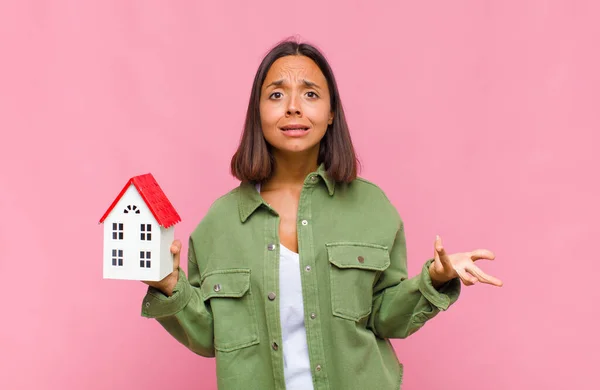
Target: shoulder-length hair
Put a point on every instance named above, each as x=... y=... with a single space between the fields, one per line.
x=253 y=160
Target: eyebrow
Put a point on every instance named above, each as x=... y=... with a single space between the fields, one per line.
x=307 y=83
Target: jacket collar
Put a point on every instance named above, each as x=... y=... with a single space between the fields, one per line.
x=249 y=200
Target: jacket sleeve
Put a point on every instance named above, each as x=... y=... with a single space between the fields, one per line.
x=184 y=314
x=402 y=305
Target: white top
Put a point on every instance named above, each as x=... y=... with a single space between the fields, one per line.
x=296 y=364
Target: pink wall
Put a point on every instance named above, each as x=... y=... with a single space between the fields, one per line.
x=478 y=118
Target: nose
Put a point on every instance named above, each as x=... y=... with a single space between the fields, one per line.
x=293 y=107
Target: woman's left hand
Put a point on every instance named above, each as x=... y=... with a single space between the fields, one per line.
x=447 y=267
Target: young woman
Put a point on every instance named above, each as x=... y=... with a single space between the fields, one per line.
x=297 y=278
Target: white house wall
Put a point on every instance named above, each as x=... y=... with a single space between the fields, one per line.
x=131 y=245
x=166 y=263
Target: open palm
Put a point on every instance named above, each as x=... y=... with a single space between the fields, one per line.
x=462 y=265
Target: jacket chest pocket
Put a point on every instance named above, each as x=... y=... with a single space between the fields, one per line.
x=354 y=268
x=232 y=304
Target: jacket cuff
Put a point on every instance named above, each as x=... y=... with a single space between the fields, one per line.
x=156 y=304
x=442 y=297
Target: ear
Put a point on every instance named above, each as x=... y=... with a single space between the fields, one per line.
x=331 y=115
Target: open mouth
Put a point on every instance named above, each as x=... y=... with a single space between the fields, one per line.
x=294 y=128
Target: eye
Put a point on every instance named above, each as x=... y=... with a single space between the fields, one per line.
x=314 y=95
x=272 y=96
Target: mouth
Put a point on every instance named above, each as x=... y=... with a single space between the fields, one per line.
x=295 y=131
x=294 y=128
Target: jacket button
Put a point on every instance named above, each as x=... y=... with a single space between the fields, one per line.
x=275 y=346
x=313 y=315
x=361 y=259
x=271 y=247
x=318 y=367
x=272 y=296
x=217 y=287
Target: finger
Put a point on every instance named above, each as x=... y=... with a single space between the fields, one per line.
x=439 y=246
x=482 y=254
x=483 y=277
x=176 y=251
x=176 y=247
x=441 y=253
x=436 y=254
x=466 y=278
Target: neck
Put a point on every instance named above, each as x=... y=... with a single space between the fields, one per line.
x=291 y=170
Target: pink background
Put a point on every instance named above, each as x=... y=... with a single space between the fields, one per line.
x=478 y=118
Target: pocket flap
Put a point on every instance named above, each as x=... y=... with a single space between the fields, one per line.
x=230 y=283
x=358 y=255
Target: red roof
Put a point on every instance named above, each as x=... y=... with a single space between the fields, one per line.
x=155 y=199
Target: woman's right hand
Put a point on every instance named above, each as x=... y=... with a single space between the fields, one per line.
x=167 y=284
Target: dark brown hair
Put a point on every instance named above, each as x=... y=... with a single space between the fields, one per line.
x=253 y=160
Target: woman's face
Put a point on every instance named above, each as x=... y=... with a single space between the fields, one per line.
x=294 y=105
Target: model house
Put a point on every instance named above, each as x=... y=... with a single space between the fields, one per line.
x=138 y=232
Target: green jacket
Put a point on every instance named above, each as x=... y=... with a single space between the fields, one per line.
x=356 y=291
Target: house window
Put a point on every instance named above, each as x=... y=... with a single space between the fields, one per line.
x=131 y=208
x=117 y=231
x=146 y=230
x=117 y=257
x=145 y=259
